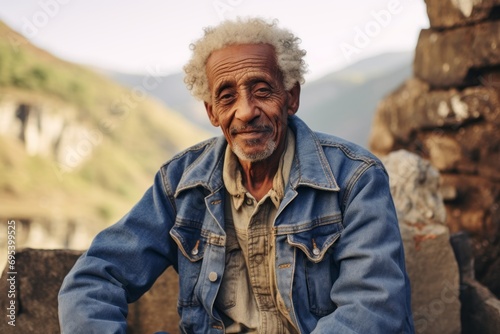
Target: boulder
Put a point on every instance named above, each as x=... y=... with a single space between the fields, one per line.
x=430 y=261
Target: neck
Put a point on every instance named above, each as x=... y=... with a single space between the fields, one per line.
x=258 y=176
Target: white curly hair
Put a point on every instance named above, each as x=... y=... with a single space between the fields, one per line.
x=244 y=31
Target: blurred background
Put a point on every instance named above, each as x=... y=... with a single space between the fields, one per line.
x=92 y=99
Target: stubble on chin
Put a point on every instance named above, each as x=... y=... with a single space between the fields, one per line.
x=256 y=156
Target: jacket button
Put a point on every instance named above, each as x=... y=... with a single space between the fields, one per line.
x=212 y=277
x=316 y=251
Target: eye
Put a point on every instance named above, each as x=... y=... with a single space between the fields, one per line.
x=226 y=96
x=262 y=90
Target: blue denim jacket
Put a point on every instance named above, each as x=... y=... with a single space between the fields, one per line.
x=339 y=257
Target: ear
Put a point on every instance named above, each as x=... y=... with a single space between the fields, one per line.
x=214 y=120
x=293 y=99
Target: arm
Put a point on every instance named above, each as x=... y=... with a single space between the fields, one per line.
x=372 y=292
x=122 y=263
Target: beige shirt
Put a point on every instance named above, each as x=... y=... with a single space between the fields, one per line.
x=248 y=299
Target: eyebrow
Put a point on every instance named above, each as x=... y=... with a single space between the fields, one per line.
x=252 y=81
x=221 y=87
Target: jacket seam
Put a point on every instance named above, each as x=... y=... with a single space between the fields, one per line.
x=348 y=152
x=168 y=191
x=352 y=183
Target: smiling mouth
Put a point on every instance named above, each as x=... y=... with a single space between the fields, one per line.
x=250 y=131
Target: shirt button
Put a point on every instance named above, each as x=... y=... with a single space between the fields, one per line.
x=249 y=201
x=212 y=277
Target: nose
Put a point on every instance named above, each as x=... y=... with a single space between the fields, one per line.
x=245 y=109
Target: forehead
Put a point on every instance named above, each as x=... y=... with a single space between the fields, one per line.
x=235 y=61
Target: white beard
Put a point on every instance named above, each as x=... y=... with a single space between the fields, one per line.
x=258 y=156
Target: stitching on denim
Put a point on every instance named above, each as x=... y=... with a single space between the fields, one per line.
x=352 y=183
x=322 y=221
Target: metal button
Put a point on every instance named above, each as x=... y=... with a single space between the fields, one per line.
x=259 y=258
x=194 y=251
x=212 y=277
x=249 y=201
x=316 y=251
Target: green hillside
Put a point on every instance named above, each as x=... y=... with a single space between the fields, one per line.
x=136 y=134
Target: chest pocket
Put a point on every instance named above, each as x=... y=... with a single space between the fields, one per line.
x=315 y=266
x=190 y=239
x=316 y=239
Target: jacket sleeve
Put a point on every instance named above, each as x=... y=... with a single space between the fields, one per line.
x=372 y=292
x=121 y=264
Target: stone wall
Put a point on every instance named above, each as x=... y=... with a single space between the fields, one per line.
x=449 y=113
x=39 y=274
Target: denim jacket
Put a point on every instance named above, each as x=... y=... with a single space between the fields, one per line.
x=339 y=258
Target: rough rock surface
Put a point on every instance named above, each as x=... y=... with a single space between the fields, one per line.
x=450 y=57
x=449 y=114
x=39 y=277
x=450 y=13
x=480 y=308
x=156 y=310
x=430 y=261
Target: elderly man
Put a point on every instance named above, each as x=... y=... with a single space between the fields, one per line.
x=273 y=228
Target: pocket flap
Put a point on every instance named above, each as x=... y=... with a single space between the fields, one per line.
x=190 y=239
x=316 y=241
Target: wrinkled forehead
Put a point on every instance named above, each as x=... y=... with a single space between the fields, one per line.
x=237 y=61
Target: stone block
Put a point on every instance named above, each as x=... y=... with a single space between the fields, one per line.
x=451 y=13
x=156 y=310
x=430 y=261
x=39 y=277
x=480 y=308
x=434 y=278
x=456 y=129
x=450 y=57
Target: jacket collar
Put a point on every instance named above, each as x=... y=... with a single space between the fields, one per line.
x=310 y=166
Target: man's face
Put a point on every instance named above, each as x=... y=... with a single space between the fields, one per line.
x=248 y=99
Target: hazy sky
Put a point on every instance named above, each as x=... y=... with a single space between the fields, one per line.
x=132 y=36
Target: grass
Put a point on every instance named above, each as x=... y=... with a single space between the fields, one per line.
x=136 y=138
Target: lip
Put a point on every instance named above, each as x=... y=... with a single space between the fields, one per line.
x=250 y=133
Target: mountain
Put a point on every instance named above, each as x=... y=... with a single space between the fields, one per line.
x=172 y=91
x=77 y=150
x=341 y=103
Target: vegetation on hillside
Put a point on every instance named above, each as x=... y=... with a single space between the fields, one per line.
x=138 y=135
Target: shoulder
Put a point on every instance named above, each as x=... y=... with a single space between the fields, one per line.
x=340 y=149
x=190 y=154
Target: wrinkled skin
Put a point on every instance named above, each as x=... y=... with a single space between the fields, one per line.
x=251 y=106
